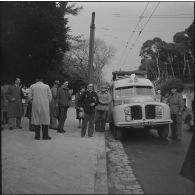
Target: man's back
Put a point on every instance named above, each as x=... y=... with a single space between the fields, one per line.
x=40 y=94
x=41 y=91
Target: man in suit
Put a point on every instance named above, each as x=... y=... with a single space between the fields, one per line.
x=40 y=95
x=14 y=109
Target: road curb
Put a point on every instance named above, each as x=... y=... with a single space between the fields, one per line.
x=101 y=181
x=121 y=176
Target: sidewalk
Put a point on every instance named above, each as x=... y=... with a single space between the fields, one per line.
x=67 y=164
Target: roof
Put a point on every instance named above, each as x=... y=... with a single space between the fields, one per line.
x=128 y=82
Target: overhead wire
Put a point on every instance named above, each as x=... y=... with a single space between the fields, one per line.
x=133 y=45
x=161 y=15
x=131 y=36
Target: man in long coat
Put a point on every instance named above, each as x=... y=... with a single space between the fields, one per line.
x=14 y=109
x=40 y=95
x=102 y=108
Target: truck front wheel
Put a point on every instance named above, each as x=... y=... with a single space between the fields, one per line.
x=117 y=133
x=163 y=131
x=111 y=126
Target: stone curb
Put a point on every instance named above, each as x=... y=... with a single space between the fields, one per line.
x=121 y=177
x=101 y=181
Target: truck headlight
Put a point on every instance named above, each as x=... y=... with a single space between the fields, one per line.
x=127 y=111
x=158 y=111
x=128 y=118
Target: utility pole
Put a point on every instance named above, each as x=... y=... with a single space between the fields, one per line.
x=91 y=49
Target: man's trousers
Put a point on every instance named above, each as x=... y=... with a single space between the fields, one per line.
x=37 y=129
x=100 y=120
x=88 y=118
x=176 y=126
x=14 y=122
x=62 y=117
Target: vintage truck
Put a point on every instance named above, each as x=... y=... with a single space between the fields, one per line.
x=134 y=105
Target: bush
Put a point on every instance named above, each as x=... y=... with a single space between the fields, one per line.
x=172 y=83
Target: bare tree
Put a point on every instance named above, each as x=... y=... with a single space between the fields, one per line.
x=76 y=60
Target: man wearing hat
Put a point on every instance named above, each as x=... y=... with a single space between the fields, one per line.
x=175 y=102
x=53 y=107
x=102 y=108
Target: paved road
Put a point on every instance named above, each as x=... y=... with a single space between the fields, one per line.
x=66 y=164
x=157 y=163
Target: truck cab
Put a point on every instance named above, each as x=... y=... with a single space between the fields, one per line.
x=134 y=105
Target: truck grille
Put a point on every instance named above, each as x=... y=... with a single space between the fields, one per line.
x=136 y=112
x=150 y=111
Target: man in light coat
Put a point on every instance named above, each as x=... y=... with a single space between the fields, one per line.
x=40 y=95
x=175 y=102
x=14 y=109
x=102 y=108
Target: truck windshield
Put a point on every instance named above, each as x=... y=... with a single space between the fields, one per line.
x=128 y=91
x=124 y=91
x=144 y=90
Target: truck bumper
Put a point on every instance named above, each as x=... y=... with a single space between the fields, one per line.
x=137 y=124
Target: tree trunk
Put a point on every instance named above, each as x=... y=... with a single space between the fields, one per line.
x=179 y=70
x=184 y=66
x=189 y=70
x=166 y=71
x=157 y=63
x=171 y=60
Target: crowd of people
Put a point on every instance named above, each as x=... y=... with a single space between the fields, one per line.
x=47 y=107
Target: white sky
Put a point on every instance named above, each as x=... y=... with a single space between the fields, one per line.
x=118 y=31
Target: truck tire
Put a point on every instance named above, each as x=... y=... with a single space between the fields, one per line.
x=117 y=133
x=111 y=127
x=147 y=128
x=163 y=131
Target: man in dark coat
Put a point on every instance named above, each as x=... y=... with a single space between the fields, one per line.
x=63 y=98
x=14 y=110
x=87 y=102
x=188 y=166
x=53 y=108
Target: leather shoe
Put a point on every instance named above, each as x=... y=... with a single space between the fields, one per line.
x=37 y=138
x=61 y=131
x=11 y=128
x=46 y=138
x=53 y=128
